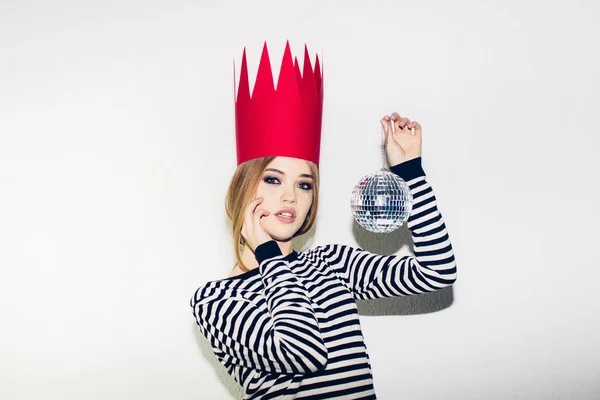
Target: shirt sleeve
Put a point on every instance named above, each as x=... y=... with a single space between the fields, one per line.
x=433 y=267
x=273 y=330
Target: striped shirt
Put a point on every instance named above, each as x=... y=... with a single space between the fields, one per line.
x=289 y=329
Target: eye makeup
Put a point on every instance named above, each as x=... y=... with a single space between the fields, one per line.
x=270 y=181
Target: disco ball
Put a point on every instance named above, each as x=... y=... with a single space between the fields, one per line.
x=381 y=202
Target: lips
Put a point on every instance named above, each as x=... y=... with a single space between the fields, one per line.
x=287 y=211
x=286 y=215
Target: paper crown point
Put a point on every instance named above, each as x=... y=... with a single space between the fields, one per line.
x=283 y=120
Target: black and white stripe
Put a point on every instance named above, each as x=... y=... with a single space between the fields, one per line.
x=290 y=328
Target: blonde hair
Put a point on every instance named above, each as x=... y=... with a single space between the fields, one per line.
x=242 y=188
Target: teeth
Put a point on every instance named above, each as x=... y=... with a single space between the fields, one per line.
x=285 y=214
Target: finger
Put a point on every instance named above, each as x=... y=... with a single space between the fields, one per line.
x=248 y=217
x=385 y=125
x=245 y=228
x=260 y=212
x=250 y=211
x=397 y=126
x=395 y=117
x=400 y=123
x=403 y=122
x=258 y=215
x=418 y=128
x=413 y=125
x=255 y=202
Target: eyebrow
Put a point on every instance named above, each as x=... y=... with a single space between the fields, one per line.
x=282 y=173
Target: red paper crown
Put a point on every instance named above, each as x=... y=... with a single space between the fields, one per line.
x=279 y=122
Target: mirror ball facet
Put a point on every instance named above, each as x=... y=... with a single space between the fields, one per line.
x=381 y=202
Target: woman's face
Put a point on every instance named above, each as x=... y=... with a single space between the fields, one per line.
x=286 y=184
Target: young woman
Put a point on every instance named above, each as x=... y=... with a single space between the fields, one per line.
x=285 y=323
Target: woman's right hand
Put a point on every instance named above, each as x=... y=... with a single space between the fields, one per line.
x=252 y=229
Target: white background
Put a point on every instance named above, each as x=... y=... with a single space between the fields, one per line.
x=117 y=145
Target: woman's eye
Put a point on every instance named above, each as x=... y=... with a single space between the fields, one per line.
x=274 y=181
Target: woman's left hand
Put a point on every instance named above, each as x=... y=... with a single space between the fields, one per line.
x=402 y=145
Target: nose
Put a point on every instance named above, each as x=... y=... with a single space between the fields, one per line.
x=289 y=195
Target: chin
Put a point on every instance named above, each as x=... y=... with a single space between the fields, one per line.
x=281 y=239
x=280 y=233
x=281 y=236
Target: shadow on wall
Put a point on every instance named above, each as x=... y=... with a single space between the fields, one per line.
x=391 y=243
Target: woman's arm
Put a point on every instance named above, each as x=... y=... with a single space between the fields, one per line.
x=275 y=331
x=432 y=267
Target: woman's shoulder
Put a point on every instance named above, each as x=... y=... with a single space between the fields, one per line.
x=330 y=253
x=330 y=248
x=230 y=286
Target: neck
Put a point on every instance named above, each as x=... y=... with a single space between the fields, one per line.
x=249 y=259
